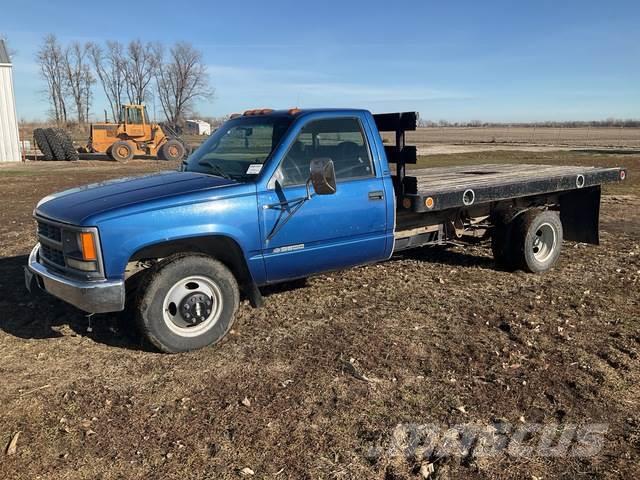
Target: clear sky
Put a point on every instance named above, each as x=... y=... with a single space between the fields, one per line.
x=455 y=60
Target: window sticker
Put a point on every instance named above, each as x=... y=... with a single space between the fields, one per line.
x=254 y=169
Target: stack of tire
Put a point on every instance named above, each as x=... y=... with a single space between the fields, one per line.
x=55 y=144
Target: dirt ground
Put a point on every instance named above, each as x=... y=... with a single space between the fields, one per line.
x=322 y=381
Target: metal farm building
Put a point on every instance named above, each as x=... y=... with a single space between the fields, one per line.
x=9 y=139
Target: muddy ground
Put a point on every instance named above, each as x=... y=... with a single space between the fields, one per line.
x=329 y=379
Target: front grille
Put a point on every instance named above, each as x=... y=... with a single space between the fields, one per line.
x=51 y=254
x=49 y=231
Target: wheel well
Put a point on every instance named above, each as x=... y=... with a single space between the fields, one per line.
x=222 y=248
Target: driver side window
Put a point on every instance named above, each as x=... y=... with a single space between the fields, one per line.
x=340 y=139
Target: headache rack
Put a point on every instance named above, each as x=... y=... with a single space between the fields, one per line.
x=401 y=154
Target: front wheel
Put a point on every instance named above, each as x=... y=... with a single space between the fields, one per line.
x=187 y=302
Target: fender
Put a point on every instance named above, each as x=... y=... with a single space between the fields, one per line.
x=220 y=247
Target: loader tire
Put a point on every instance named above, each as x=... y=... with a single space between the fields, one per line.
x=121 y=151
x=42 y=143
x=70 y=152
x=172 y=150
x=55 y=144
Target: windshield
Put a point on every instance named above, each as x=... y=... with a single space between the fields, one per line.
x=239 y=148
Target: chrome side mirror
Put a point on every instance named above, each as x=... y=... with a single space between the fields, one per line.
x=323 y=176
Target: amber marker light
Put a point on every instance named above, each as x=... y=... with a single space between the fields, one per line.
x=88 y=246
x=428 y=202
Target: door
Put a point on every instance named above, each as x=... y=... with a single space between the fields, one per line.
x=325 y=232
x=134 y=121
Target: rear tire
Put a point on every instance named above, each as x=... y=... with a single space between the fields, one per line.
x=43 y=144
x=120 y=151
x=172 y=150
x=537 y=239
x=55 y=144
x=187 y=302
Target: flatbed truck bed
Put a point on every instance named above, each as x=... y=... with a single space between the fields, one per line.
x=463 y=186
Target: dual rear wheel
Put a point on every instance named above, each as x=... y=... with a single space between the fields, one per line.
x=531 y=242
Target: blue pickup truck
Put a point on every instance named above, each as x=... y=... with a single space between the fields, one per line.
x=273 y=196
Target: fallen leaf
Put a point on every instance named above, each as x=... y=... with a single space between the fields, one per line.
x=246 y=402
x=246 y=471
x=13 y=444
x=426 y=470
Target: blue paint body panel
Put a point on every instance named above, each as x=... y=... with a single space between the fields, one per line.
x=328 y=232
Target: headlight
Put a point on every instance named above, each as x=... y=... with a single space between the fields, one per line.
x=81 y=265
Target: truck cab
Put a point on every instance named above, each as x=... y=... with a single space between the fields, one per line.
x=273 y=196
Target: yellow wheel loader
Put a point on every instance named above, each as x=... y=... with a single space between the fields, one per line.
x=132 y=135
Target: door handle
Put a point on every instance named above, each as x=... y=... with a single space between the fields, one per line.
x=376 y=195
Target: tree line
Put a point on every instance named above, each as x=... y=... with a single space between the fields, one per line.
x=609 y=122
x=135 y=73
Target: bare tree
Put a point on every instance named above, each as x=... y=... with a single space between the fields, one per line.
x=51 y=61
x=110 y=66
x=180 y=80
x=140 y=65
x=79 y=79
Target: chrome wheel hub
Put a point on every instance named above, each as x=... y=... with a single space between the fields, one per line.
x=544 y=242
x=192 y=306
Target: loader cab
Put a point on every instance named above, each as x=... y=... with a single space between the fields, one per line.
x=134 y=119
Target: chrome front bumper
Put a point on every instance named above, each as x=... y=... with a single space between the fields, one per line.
x=97 y=296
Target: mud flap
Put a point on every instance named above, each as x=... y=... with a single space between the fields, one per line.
x=580 y=215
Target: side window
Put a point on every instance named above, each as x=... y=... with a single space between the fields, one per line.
x=134 y=116
x=340 y=139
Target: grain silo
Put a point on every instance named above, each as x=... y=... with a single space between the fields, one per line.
x=9 y=140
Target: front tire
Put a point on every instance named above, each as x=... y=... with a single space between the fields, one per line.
x=121 y=151
x=187 y=302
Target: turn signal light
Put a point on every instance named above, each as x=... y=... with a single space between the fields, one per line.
x=88 y=246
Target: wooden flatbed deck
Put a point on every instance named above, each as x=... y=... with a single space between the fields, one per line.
x=463 y=186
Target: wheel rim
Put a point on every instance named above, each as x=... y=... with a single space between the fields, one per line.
x=173 y=151
x=192 y=306
x=544 y=241
x=123 y=151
